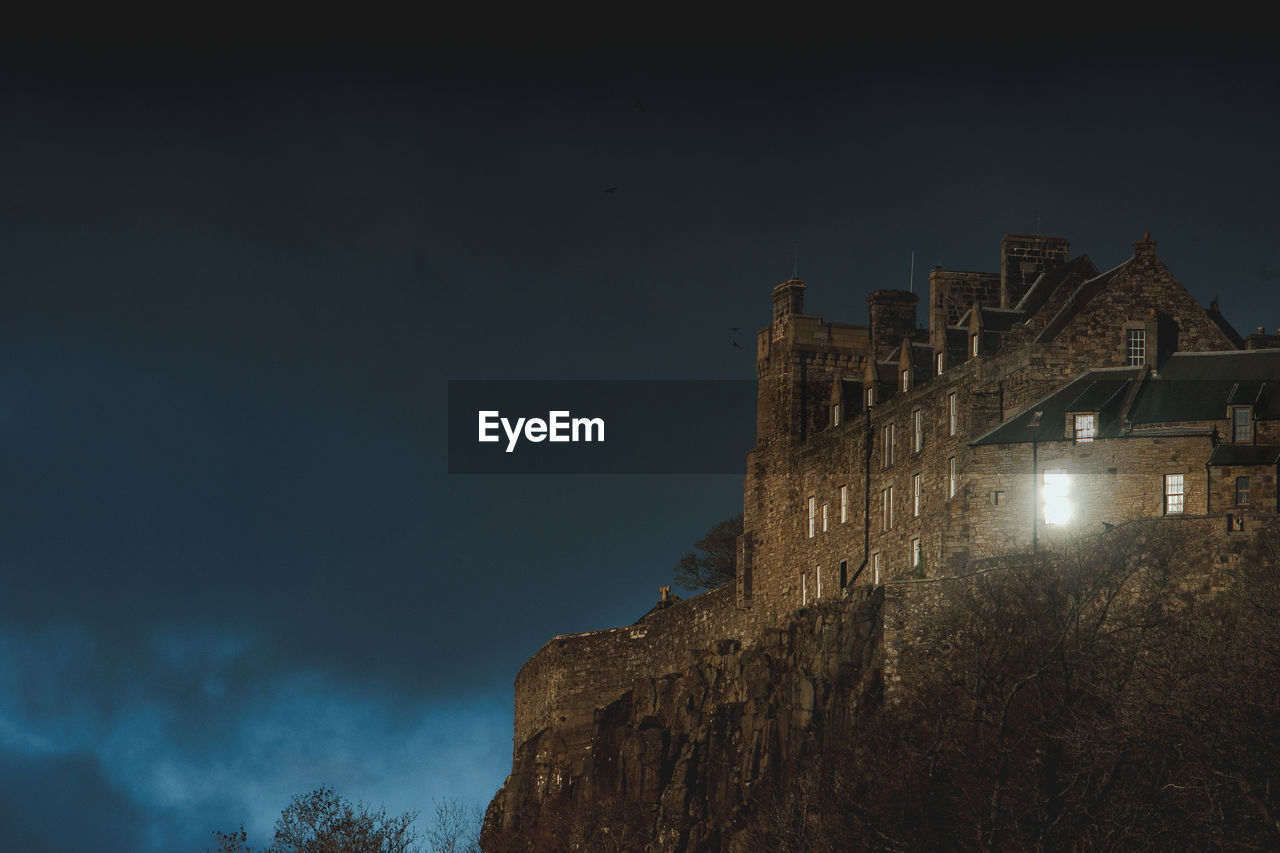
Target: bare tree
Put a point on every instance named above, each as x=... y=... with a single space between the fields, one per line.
x=454 y=828
x=324 y=822
x=713 y=562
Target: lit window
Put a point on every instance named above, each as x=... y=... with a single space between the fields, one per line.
x=1055 y=492
x=844 y=504
x=1085 y=428
x=974 y=340
x=887 y=443
x=951 y=477
x=1174 y=493
x=818 y=574
x=1135 y=347
x=835 y=415
x=939 y=359
x=804 y=589
x=875 y=568
x=824 y=518
x=1241 y=424
x=906 y=380
x=871 y=397
x=915 y=495
x=813 y=515
x=916 y=553
x=1242 y=491
x=917 y=431
x=952 y=416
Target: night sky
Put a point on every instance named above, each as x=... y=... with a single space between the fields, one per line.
x=233 y=566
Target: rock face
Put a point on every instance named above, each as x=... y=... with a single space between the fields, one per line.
x=674 y=762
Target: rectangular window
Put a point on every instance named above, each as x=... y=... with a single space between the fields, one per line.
x=886 y=517
x=813 y=515
x=886 y=441
x=974 y=339
x=835 y=415
x=1086 y=428
x=871 y=397
x=917 y=431
x=1055 y=491
x=844 y=504
x=844 y=573
x=951 y=477
x=915 y=553
x=1135 y=347
x=1174 y=493
x=804 y=589
x=818 y=575
x=939 y=360
x=952 y=414
x=824 y=518
x=875 y=568
x=1242 y=491
x=906 y=380
x=916 y=483
x=1241 y=424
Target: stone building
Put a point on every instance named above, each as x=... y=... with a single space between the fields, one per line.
x=1047 y=400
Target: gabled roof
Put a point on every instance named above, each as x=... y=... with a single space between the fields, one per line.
x=1076 y=301
x=1190 y=387
x=1078 y=269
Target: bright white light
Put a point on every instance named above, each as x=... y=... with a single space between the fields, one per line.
x=1057 y=485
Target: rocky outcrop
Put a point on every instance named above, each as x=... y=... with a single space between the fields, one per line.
x=675 y=762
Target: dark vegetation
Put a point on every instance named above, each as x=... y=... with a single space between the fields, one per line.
x=325 y=822
x=713 y=561
x=1101 y=699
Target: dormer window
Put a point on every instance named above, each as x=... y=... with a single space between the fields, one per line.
x=1135 y=347
x=1085 y=427
x=906 y=380
x=1241 y=424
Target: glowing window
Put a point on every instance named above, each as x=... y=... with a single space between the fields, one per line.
x=871 y=397
x=906 y=380
x=1086 y=428
x=1055 y=492
x=1174 y=493
x=916 y=553
x=915 y=495
x=813 y=515
x=917 y=431
x=835 y=415
x=952 y=414
x=975 y=346
x=939 y=371
x=844 y=504
x=951 y=477
x=875 y=568
x=824 y=518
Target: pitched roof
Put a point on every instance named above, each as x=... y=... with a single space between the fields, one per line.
x=1189 y=387
x=1245 y=454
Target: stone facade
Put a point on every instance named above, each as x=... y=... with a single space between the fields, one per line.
x=1047 y=401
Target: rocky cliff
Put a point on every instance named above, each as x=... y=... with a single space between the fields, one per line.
x=676 y=761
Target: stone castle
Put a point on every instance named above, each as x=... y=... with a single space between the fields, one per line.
x=1044 y=401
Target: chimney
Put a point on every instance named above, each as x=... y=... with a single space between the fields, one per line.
x=893 y=317
x=1023 y=259
x=1144 y=248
